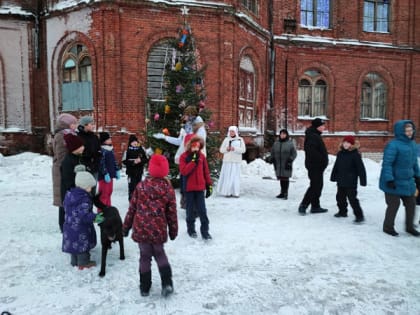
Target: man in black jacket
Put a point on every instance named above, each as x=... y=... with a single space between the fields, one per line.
x=316 y=161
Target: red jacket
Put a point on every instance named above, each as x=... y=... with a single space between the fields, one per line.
x=152 y=211
x=197 y=174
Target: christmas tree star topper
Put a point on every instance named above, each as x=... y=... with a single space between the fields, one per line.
x=184 y=10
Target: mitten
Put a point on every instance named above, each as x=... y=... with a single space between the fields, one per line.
x=107 y=178
x=99 y=218
x=391 y=184
x=125 y=232
x=159 y=136
x=118 y=175
x=172 y=237
x=209 y=190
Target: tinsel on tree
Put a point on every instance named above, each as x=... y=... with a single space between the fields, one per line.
x=183 y=86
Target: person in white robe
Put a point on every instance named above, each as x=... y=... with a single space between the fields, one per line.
x=232 y=148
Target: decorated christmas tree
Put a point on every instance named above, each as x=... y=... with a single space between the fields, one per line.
x=183 y=88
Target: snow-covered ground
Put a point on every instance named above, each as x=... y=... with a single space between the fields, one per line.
x=264 y=258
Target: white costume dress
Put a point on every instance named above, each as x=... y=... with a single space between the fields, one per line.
x=229 y=180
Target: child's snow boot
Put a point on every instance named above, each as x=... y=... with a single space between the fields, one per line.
x=166 y=277
x=145 y=283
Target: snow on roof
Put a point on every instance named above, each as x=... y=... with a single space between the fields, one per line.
x=334 y=41
x=14 y=10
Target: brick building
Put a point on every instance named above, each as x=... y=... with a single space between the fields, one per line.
x=270 y=64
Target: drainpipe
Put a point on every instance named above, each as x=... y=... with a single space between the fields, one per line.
x=272 y=61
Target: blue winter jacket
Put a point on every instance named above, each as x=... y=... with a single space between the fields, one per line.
x=79 y=235
x=400 y=163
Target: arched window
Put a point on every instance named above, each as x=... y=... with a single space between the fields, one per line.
x=158 y=57
x=246 y=93
x=312 y=95
x=373 y=98
x=76 y=89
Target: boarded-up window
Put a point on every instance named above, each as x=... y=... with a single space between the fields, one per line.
x=159 y=56
x=76 y=89
x=246 y=93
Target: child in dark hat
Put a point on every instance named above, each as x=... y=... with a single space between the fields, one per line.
x=108 y=169
x=134 y=159
x=348 y=167
x=151 y=214
x=73 y=160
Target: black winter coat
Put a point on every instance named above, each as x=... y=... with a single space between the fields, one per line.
x=135 y=170
x=68 y=174
x=347 y=168
x=92 y=153
x=316 y=155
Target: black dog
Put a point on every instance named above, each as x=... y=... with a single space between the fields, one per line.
x=111 y=231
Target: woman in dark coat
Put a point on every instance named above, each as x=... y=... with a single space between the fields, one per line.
x=348 y=167
x=283 y=153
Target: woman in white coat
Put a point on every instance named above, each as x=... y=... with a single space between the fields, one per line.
x=232 y=149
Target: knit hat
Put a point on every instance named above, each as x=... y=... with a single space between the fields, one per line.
x=84 y=180
x=73 y=142
x=158 y=166
x=349 y=139
x=233 y=128
x=317 y=122
x=132 y=138
x=198 y=120
x=85 y=120
x=103 y=136
x=67 y=119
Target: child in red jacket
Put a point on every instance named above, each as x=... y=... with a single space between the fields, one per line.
x=193 y=165
x=151 y=213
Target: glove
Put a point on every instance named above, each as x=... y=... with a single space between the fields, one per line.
x=209 y=190
x=417 y=179
x=118 y=175
x=125 y=232
x=391 y=184
x=159 y=136
x=99 y=218
x=195 y=158
x=172 y=237
x=107 y=178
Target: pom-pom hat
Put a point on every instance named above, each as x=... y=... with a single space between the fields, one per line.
x=73 y=142
x=349 y=139
x=158 y=166
x=84 y=180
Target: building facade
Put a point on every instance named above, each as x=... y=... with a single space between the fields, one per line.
x=270 y=64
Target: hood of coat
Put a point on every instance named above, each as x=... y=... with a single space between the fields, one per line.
x=77 y=196
x=155 y=187
x=195 y=139
x=399 y=130
x=355 y=146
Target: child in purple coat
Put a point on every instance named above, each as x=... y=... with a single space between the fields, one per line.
x=79 y=235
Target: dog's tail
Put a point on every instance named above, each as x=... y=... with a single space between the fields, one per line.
x=98 y=203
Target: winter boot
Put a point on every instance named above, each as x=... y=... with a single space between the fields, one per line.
x=284 y=184
x=166 y=277
x=302 y=209
x=145 y=283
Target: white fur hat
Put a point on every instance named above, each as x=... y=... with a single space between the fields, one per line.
x=85 y=180
x=234 y=128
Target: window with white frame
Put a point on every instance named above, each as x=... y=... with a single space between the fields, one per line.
x=374 y=97
x=76 y=71
x=376 y=16
x=312 y=94
x=315 y=13
x=251 y=5
x=246 y=106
